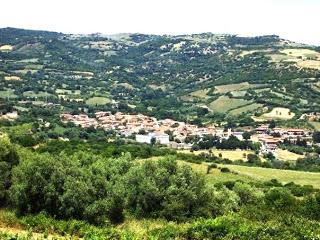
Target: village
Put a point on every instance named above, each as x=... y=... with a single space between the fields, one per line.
x=148 y=129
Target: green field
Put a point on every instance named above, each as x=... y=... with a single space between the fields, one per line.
x=248 y=174
x=224 y=104
x=316 y=125
x=9 y=93
x=98 y=101
x=231 y=87
x=244 y=109
x=216 y=176
x=67 y=91
x=36 y=95
x=284 y=176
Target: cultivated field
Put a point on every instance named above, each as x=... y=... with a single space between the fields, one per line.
x=215 y=175
x=97 y=101
x=279 y=113
x=32 y=94
x=301 y=53
x=232 y=155
x=223 y=104
x=304 y=58
x=200 y=93
x=9 y=93
x=285 y=155
x=244 y=109
x=12 y=78
x=314 y=64
x=316 y=125
x=284 y=176
x=67 y=91
x=6 y=48
x=232 y=87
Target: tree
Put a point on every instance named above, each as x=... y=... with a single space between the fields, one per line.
x=280 y=199
x=246 y=136
x=253 y=159
x=153 y=141
x=272 y=124
x=316 y=137
x=8 y=159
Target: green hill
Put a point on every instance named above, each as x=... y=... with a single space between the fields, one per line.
x=164 y=76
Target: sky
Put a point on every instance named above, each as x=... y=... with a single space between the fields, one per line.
x=296 y=20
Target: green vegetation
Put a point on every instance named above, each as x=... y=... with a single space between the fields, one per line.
x=175 y=78
x=224 y=104
x=97 y=101
x=175 y=199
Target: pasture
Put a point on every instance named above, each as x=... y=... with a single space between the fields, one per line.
x=6 y=48
x=98 y=101
x=231 y=87
x=200 y=93
x=301 y=53
x=279 y=113
x=244 y=109
x=232 y=155
x=12 y=78
x=284 y=176
x=32 y=94
x=316 y=125
x=285 y=155
x=9 y=93
x=215 y=175
x=67 y=91
x=314 y=64
x=223 y=104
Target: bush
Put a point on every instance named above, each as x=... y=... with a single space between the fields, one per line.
x=280 y=199
x=225 y=170
x=247 y=193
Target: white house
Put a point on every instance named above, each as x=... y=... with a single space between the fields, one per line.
x=160 y=138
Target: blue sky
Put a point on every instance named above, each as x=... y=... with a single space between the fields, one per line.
x=296 y=20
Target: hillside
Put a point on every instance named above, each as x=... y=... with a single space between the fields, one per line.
x=203 y=77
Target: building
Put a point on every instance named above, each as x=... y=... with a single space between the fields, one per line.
x=160 y=138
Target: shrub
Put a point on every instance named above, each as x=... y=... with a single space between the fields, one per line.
x=225 y=170
x=280 y=199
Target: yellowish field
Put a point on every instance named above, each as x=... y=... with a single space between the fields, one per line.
x=285 y=155
x=245 y=53
x=279 y=113
x=200 y=93
x=88 y=74
x=284 y=176
x=12 y=78
x=156 y=87
x=316 y=125
x=67 y=91
x=304 y=58
x=314 y=64
x=231 y=87
x=5 y=48
x=232 y=155
x=299 y=52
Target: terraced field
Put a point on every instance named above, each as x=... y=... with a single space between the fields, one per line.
x=223 y=104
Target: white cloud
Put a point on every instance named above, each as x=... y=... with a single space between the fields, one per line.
x=293 y=19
